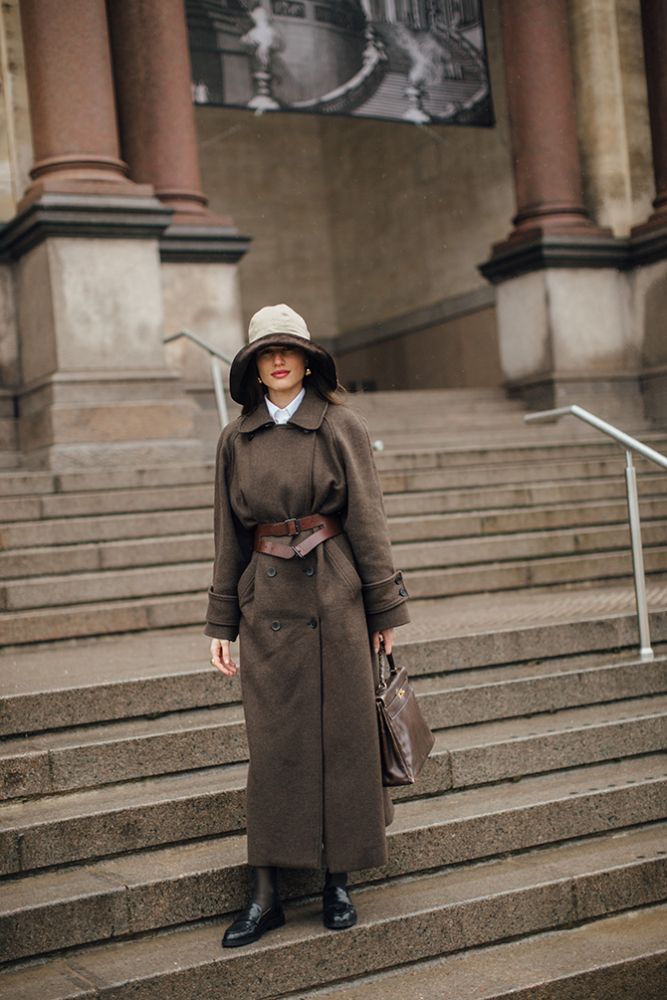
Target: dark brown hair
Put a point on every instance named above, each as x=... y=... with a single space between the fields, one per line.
x=254 y=391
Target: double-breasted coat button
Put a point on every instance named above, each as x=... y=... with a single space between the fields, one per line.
x=312 y=623
x=251 y=436
x=271 y=571
x=397 y=578
x=309 y=571
x=402 y=591
x=275 y=626
x=306 y=430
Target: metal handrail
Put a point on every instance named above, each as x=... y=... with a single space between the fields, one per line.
x=216 y=356
x=630 y=444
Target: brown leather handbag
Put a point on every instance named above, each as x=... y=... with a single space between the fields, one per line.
x=405 y=738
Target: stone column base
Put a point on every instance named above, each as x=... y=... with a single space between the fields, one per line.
x=95 y=387
x=616 y=396
x=654 y=387
x=566 y=336
x=200 y=294
x=75 y=420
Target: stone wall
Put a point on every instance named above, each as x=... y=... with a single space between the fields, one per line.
x=374 y=230
x=268 y=172
x=457 y=352
x=358 y=222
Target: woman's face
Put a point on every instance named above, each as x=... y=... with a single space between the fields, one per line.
x=281 y=368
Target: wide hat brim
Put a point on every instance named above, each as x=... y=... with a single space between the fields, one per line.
x=242 y=365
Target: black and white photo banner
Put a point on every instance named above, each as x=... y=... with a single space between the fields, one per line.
x=421 y=61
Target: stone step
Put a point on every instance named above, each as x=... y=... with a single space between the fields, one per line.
x=433 y=570
x=622 y=956
x=77 y=757
x=103 y=478
x=408 y=528
x=421 y=500
x=510 y=748
x=102 y=618
x=458 y=467
x=507 y=453
x=521 y=497
x=123 y=554
x=116 y=527
x=530 y=449
x=407 y=920
x=494 y=433
x=78 y=824
x=522 y=574
x=108 y=502
x=14 y=483
x=206 y=878
x=494 y=428
x=97 y=755
x=519 y=545
x=51 y=591
x=55 y=687
x=189 y=547
x=46 y=534
x=34 y=483
x=503 y=474
x=130 y=616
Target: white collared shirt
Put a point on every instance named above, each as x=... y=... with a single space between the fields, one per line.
x=281 y=416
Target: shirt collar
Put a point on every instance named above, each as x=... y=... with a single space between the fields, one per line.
x=309 y=415
x=290 y=409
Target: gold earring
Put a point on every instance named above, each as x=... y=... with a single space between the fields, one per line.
x=308 y=372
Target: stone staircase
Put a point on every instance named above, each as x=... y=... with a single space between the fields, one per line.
x=97 y=552
x=530 y=859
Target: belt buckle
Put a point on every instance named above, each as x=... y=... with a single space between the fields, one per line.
x=297 y=525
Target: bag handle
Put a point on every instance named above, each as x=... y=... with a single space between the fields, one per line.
x=383 y=656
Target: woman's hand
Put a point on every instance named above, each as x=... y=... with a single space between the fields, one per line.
x=388 y=634
x=221 y=656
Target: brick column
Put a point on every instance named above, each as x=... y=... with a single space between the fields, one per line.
x=541 y=107
x=153 y=85
x=654 y=29
x=72 y=105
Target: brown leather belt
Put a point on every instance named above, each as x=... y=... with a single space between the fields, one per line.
x=327 y=526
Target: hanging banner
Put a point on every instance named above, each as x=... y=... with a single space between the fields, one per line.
x=421 y=61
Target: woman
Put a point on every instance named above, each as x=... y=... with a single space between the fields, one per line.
x=303 y=574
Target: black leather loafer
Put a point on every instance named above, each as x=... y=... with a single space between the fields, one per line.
x=338 y=909
x=251 y=923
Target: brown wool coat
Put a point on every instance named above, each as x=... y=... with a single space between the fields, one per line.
x=314 y=793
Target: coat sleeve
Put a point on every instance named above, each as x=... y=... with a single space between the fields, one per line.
x=365 y=523
x=233 y=549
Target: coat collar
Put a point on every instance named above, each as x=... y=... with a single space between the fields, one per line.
x=308 y=417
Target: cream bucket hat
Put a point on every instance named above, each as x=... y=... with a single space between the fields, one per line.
x=278 y=326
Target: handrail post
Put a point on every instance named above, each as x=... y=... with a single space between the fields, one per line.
x=630 y=444
x=219 y=391
x=645 y=650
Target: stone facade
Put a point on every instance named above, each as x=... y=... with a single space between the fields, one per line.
x=376 y=231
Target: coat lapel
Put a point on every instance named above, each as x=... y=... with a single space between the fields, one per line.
x=308 y=417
